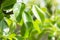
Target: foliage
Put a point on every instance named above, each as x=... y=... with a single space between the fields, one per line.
x=29 y=20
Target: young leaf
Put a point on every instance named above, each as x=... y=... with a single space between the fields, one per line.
x=37 y=26
x=9 y=22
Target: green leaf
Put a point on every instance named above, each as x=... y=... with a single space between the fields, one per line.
x=58 y=24
x=9 y=22
x=1 y=15
x=19 y=37
x=2 y=26
x=38 y=13
x=27 y=17
x=33 y=35
x=37 y=26
x=44 y=35
x=11 y=36
x=28 y=23
x=18 y=10
x=23 y=30
x=7 y=4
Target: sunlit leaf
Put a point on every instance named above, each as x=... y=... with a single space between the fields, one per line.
x=37 y=26
x=18 y=10
x=28 y=23
x=38 y=13
x=9 y=22
x=11 y=36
